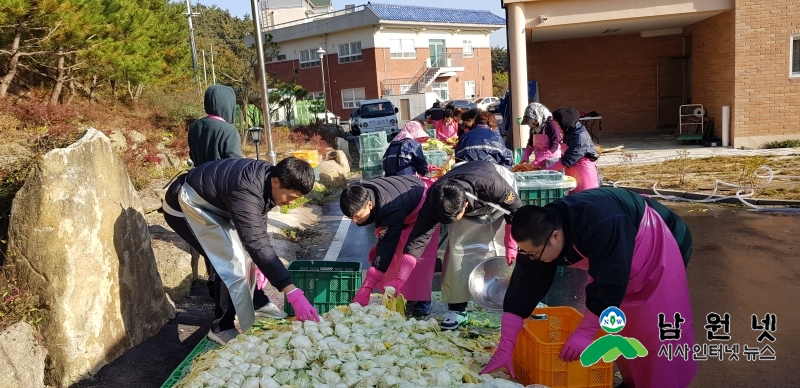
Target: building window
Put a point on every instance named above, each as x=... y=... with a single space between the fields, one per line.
x=402 y=48
x=314 y=96
x=404 y=89
x=352 y=97
x=441 y=90
x=468 y=53
x=795 y=53
x=309 y=58
x=469 y=89
x=281 y=57
x=350 y=52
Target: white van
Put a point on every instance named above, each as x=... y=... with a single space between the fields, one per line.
x=374 y=115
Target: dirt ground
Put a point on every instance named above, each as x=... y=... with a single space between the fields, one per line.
x=743 y=263
x=699 y=175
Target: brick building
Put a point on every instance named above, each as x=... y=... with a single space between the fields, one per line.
x=637 y=65
x=377 y=50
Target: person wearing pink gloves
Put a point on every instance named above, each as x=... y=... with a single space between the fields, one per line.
x=393 y=204
x=545 y=139
x=220 y=208
x=635 y=251
x=476 y=201
x=579 y=159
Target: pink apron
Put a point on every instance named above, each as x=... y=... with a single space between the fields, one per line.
x=585 y=174
x=419 y=285
x=657 y=284
x=541 y=149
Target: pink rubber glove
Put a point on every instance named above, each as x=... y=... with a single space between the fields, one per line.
x=261 y=281
x=510 y=326
x=581 y=338
x=404 y=269
x=374 y=276
x=372 y=253
x=527 y=154
x=511 y=246
x=303 y=310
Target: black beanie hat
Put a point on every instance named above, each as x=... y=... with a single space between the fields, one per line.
x=566 y=117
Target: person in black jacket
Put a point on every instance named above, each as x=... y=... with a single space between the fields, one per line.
x=466 y=200
x=578 y=160
x=636 y=252
x=392 y=204
x=404 y=155
x=214 y=137
x=482 y=142
x=225 y=203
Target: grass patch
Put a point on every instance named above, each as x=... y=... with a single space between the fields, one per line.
x=299 y=202
x=16 y=302
x=783 y=144
x=698 y=175
x=296 y=234
x=321 y=195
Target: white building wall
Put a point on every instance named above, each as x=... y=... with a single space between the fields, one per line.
x=479 y=39
x=329 y=43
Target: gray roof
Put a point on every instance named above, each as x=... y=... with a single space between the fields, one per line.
x=412 y=13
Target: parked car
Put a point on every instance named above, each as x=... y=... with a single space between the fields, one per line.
x=493 y=107
x=484 y=102
x=374 y=115
x=463 y=104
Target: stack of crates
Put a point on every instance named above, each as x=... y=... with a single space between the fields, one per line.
x=372 y=146
x=540 y=188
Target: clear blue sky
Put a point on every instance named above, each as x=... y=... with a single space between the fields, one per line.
x=498 y=38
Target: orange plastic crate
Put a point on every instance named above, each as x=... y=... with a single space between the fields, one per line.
x=312 y=157
x=539 y=344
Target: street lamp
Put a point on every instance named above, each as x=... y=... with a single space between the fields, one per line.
x=320 y=54
x=254 y=134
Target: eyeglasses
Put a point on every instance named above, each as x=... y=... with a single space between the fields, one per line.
x=546 y=242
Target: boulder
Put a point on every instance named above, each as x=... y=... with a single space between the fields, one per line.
x=137 y=137
x=21 y=357
x=152 y=194
x=13 y=153
x=118 y=141
x=83 y=247
x=344 y=145
x=341 y=158
x=332 y=175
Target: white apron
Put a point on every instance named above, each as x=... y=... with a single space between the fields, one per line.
x=478 y=236
x=220 y=241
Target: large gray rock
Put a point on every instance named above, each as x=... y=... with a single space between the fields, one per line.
x=21 y=357
x=341 y=158
x=152 y=194
x=332 y=175
x=83 y=246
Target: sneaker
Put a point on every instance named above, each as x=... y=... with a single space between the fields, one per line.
x=270 y=310
x=421 y=309
x=224 y=336
x=453 y=319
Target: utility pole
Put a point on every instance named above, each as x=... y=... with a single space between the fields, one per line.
x=205 y=74
x=259 y=35
x=213 y=73
x=189 y=14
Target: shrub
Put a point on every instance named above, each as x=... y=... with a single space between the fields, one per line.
x=784 y=144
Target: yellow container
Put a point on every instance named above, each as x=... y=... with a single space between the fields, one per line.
x=310 y=156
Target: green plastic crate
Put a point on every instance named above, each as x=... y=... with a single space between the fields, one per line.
x=326 y=284
x=375 y=141
x=538 y=178
x=182 y=370
x=436 y=158
x=539 y=196
x=371 y=158
x=518 y=155
x=370 y=175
